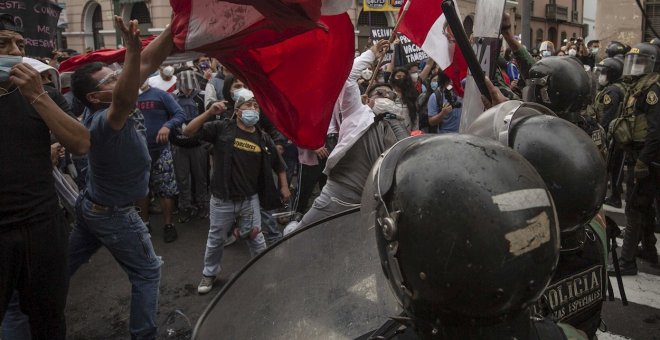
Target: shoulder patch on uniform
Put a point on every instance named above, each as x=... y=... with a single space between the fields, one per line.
x=607 y=99
x=651 y=98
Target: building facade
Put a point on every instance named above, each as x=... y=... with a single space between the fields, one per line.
x=555 y=20
x=90 y=25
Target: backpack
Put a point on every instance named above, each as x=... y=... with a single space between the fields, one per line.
x=423 y=109
x=630 y=128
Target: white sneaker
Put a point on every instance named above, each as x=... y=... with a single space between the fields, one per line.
x=206 y=284
x=230 y=240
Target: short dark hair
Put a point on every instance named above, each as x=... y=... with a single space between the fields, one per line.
x=8 y=22
x=82 y=82
x=591 y=42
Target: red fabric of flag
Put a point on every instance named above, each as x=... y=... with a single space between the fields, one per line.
x=425 y=25
x=297 y=81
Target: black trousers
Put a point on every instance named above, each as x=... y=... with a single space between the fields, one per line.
x=640 y=214
x=308 y=176
x=34 y=263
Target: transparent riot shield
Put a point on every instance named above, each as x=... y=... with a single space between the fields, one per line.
x=322 y=282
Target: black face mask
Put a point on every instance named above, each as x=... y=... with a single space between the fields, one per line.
x=400 y=83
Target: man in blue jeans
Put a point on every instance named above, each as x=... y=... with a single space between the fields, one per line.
x=118 y=175
x=244 y=160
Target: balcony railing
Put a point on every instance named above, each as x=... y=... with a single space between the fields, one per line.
x=557 y=13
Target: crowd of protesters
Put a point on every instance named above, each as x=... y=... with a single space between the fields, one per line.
x=188 y=140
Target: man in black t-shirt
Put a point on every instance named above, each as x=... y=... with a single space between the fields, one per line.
x=244 y=161
x=33 y=232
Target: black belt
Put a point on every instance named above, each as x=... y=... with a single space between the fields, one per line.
x=97 y=206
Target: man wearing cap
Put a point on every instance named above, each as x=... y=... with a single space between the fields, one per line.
x=190 y=156
x=161 y=114
x=244 y=161
x=165 y=80
x=33 y=231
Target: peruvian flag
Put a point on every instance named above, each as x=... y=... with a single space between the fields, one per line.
x=424 y=24
x=294 y=55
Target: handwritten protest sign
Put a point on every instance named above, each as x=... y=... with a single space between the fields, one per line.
x=39 y=22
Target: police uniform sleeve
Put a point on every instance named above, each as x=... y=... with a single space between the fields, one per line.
x=525 y=62
x=650 y=153
x=611 y=104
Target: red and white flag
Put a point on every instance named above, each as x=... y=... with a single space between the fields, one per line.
x=293 y=54
x=425 y=25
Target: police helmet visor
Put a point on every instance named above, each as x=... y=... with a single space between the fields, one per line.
x=637 y=64
x=600 y=69
x=536 y=91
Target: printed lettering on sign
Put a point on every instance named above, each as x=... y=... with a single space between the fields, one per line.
x=572 y=294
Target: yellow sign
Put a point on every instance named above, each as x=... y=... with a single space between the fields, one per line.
x=381 y=5
x=634 y=51
x=607 y=100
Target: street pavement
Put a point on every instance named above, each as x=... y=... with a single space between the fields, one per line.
x=99 y=294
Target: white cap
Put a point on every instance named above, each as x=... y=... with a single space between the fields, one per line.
x=243 y=95
x=168 y=71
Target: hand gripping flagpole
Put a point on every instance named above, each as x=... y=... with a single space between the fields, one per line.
x=391 y=40
x=464 y=44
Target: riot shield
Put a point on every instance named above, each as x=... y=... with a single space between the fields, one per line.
x=321 y=282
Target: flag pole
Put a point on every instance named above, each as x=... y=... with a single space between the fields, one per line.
x=391 y=40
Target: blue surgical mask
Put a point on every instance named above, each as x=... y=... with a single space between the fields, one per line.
x=434 y=85
x=250 y=117
x=6 y=63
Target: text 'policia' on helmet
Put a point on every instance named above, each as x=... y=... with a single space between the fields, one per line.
x=563 y=154
x=559 y=83
x=640 y=60
x=460 y=238
x=611 y=67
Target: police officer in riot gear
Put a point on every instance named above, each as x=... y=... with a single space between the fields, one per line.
x=606 y=107
x=617 y=50
x=638 y=131
x=575 y=174
x=466 y=247
x=562 y=85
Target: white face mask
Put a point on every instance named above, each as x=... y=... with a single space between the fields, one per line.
x=367 y=74
x=602 y=80
x=383 y=105
x=414 y=76
x=572 y=52
x=546 y=53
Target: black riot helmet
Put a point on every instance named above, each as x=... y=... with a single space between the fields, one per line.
x=563 y=154
x=615 y=48
x=466 y=230
x=561 y=84
x=611 y=67
x=641 y=60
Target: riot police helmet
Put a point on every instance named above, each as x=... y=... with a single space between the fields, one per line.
x=641 y=60
x=465 y=227
x=615 y=48
x=611 y=67
x=563 y=154
x=561 y=84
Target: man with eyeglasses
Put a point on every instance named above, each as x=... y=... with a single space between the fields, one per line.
x=118 y=173
x=366 y=130
x=33 y=230
x=244 y=159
